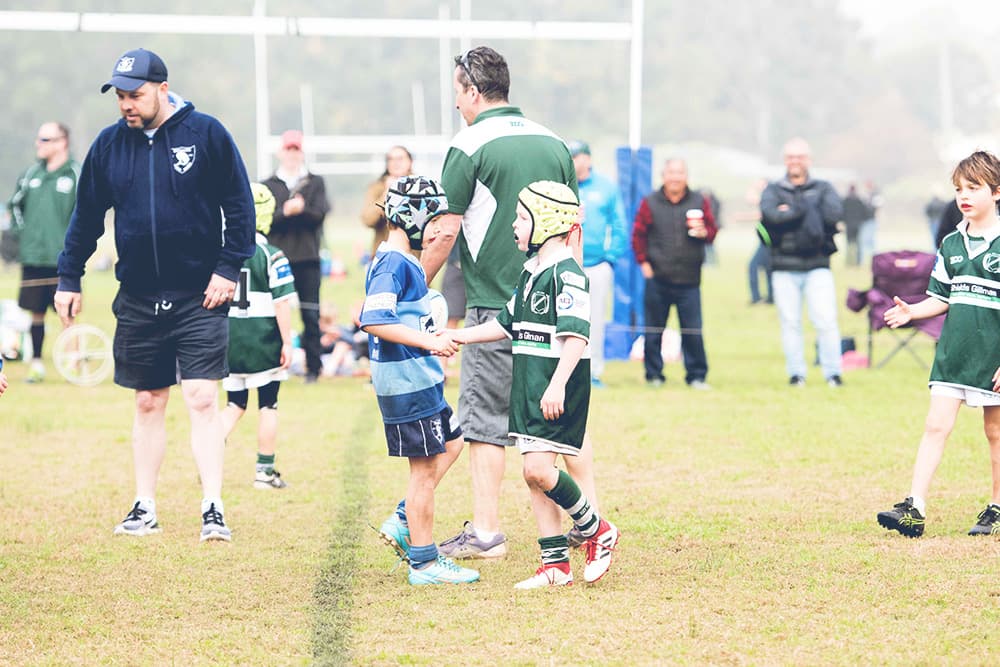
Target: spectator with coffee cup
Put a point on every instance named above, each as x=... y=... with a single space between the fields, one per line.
x=672 y=227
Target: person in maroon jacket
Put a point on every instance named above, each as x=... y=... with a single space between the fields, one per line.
x=672 y=227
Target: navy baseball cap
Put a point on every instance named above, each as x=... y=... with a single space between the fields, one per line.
x=135 y=68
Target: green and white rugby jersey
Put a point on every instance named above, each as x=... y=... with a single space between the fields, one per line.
x=486 y=166
x=254 y=338
x=967 y=277
x=552 y=301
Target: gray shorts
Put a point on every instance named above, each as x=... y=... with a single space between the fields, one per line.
x=484 y=389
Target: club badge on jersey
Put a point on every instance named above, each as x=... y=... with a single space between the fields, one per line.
x=183 y=158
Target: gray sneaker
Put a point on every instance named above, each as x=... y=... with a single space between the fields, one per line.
x=468 y=545
x=138 y=522
x=574 y=538
x=213 y=526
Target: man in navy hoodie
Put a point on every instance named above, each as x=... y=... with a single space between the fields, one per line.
x=184 y=224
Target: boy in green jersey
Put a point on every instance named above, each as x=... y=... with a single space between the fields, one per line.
x=260 y=340
x=965 y=283
x=548 y=321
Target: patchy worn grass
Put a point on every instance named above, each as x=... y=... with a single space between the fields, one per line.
x=747 y=514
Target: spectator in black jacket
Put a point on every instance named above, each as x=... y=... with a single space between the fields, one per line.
x=800 y=214
x=934 y=210
x=856 y=213
x=301 y=205
x=950 y=217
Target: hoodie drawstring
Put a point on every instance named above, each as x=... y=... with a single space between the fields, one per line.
x=131 y=165
x=173 y=172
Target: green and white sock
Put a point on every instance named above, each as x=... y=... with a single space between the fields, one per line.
x=568 y=496
x=554 y=549
x=265 y=462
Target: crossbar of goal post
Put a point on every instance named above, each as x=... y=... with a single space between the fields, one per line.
x=262 y=26
x=632 y=158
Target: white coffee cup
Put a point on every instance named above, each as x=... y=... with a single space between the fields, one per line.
x=695 y=221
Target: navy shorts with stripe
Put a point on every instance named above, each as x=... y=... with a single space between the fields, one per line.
x=423 y=437
x=158 y=341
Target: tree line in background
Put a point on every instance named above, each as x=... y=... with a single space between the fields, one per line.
x=738 y=75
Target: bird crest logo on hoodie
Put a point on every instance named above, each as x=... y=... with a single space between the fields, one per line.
x=183 y=158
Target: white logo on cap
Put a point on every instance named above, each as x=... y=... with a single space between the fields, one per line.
x=183 y=158
x=125 y=64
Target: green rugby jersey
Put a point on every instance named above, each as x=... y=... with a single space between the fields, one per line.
x=41 y=208
x=967 y=277
x=552 y=301
x=254 y=337
x=487 y=165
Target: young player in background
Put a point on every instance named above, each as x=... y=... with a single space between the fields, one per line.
x=260 y=340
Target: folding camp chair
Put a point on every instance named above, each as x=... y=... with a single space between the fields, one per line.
x=902 y=273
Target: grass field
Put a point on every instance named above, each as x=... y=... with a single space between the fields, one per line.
x=747 y=518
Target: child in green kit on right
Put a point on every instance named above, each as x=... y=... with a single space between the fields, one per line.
x=965 y=283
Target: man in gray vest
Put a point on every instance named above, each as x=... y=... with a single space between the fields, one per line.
x=672 y=227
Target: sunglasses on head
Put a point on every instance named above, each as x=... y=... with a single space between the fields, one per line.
x=464 y=62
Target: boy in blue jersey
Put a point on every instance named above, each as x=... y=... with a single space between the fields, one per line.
x=408 y=378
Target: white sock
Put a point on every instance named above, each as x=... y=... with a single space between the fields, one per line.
x=146 y=503
x=483 y=535
x=920 y=504
x=207 y=502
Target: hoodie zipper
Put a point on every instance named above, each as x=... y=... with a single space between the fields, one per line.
x=152 y=213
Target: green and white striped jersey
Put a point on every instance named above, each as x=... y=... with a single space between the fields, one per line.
x=254 y=338
x=967 y=277
x=486 y=167
x=552 y=302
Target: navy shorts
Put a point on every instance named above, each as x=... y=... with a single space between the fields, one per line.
x=423 y=437
x=157 y=342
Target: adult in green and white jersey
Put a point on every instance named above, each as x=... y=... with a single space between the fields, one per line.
x=487 y=165
x=260 y=339
x=965 y=283
x=40 y=211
